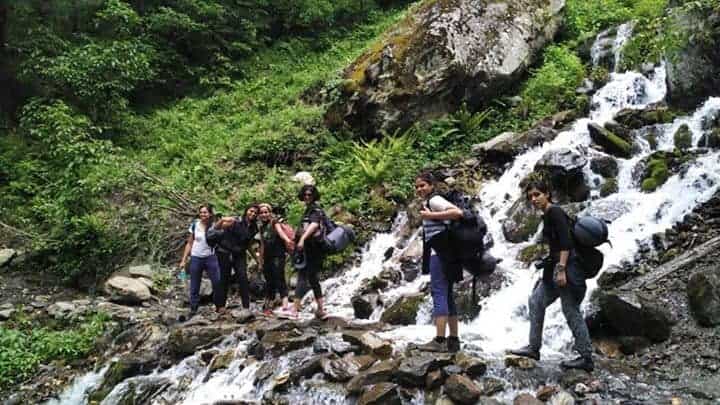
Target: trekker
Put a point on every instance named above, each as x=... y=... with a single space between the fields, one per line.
x=308 y=246
x=273 y=246
x=439 y=261
x=562 y=277
x=202 y=258
x=237 y=233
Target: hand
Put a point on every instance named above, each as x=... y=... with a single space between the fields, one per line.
x=560 y=276
x=290 y=246
x=425 y=213
x=182 y=264
x=300 y=245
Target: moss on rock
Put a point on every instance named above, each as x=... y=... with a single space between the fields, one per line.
x=683 y=137
x=403 y=311
x=657 y=174
x=532 y=253
x=610 y=186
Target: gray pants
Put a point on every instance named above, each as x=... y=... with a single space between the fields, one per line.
x=570 y=296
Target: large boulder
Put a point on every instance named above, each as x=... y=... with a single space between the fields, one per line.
x=632 y=314
x=379 y=372
x=461 y=389
x=693 y=70
x=565 y=170
x=143 y=270
x=186 y=339
x=6 y=255
x=522 y=221
x=414 y=368
x=126 y=290
x=504 y=147
x=364 y=305
x=636 y=119
x=380 y=394
x=442 y=55
x=703 y=291
x=404 y=310
x=369 y=341
x=605 y=166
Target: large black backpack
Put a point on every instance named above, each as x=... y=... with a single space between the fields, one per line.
x=467 y=234
x=587 y=233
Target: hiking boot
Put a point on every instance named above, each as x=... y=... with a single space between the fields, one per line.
x=526 y=351
x=581 y=363
x=438 y=344
x=453 y=344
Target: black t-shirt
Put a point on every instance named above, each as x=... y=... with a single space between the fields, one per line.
x=556 y=233
x=273 y=245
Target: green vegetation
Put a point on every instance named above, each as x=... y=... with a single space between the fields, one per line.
x=610 y=186
x=656 y=174
x=683 y=137
x=25 y=346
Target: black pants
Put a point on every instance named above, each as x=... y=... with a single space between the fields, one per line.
x=274 y=271
x=308 y=278
x=228 y=262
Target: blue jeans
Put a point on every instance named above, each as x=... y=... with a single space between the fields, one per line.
x=441 y=289
x=210 y=265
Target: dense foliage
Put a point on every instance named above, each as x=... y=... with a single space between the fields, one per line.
x=25 y=346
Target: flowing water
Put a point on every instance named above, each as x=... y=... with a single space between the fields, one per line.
x=502 y=322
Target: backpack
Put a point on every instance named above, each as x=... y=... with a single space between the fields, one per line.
x=288 y=230
x=588 y=232
x=467 y=233
x=212 y=235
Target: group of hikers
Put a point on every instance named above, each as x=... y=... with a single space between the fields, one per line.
x=562 y=275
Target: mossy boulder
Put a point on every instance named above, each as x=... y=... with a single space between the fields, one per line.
x=703 y=290
x=563 y=167
x=521 y=223
x=605 y=166
x=683 y=137
x=404 y=310
x=656 y=175
x=532 y=253
x=610 y=186
x=654 y=170
x=610 y=142
x=650 y=115
x=443 y=54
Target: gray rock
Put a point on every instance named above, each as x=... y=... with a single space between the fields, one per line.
x=339 y=370
x=6 y=255
x=710 y=139
x=370 y=342
x=522 y=221
x=605 y=166
x=651 y=115
x=143 y=270
x=186 y=339
x=462 y=389
x=633 y=344
x=309 y=367
x=6 y=314
x=632 y=314
x=613 y=276
x=414 y=369
x=442 y=55
x=472 y=366
x=125 y=290
x=379 y=372
x=703 y=291
x=526 y=399
x=565 y=170
x=64 y=310
x=279 y=342
x=364 y=305
x=242 y=315
x=504 y=147
x=380 y=394
x=490 y=386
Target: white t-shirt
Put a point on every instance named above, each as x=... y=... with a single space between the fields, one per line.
x=200 y=247
x=432 y=227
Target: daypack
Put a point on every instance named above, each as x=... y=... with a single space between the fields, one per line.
x=467 y=233
x=587 y=233
x=331 y=237
x=288 y=230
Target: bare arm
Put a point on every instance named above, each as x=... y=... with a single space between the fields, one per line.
x=308 y=231
x=186 y=251
x=448 y=214
x=288 y=243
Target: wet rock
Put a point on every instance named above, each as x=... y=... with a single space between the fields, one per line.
x=633 y=344
x=379 y=372
x=526 y=399
x=564 y=169
x=571 y=378
x=683 y=137
x=265 y=371
x=703 y=290
x=693 y=72
x=602 y=51
x=142 y=388
x=364 y=361
x=279 y=342
x=710 y=139
x=651 y=115
x=545 y=392
x=125 y=367
x=222 y=360
x=125 y=290
x=242 y=315
x=65 y=310
x=434 y=379
x=404 y=310
x=6 y=256
x=369 y=342
x=490 y=386
x=532 y=253
x=632 y=314
x=441 y=56
x=610 y=142
x=364 y=305
x=472 y=366
x=143 y=270
x=605 y=166
x=620 y=130
x=462 y=389
x=309 y=367
x=503 y=148
x=451 y=369
x=7 y=313
x=562 y=398
x=610 y=186
x=522 y=222
x=380 y=394
x=256 y=349
x=339 y=370
x=523 y=363
x=413 y=369
x=186 y=339
x=613 y=276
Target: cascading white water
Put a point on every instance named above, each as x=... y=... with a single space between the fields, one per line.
x=77 y=392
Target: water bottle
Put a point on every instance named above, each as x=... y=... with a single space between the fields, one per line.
x=182 y=276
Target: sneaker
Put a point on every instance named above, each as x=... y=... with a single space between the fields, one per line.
x=438 y=344
x=268 y=312
x=526 y=351
x=453 y=344
x=581 y=363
